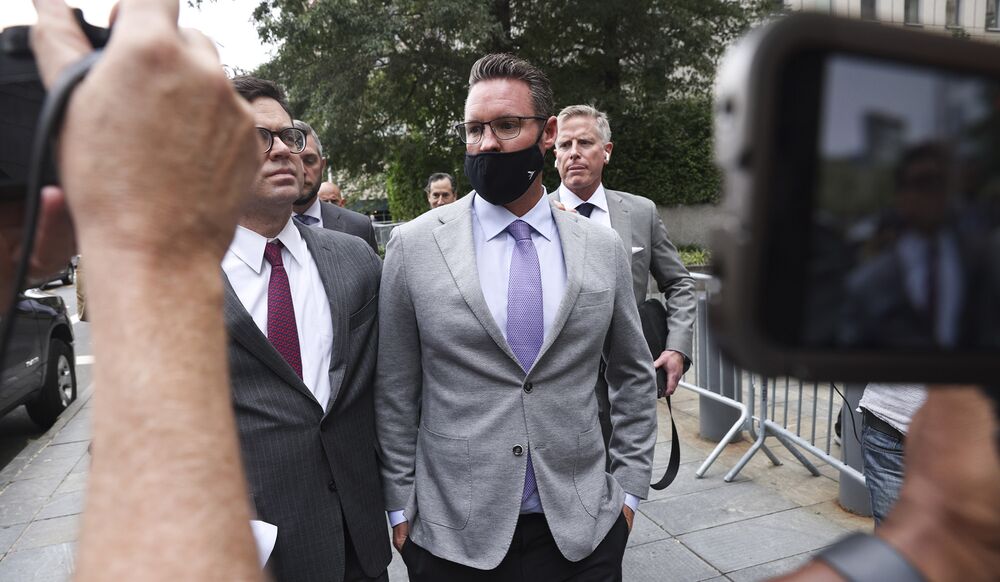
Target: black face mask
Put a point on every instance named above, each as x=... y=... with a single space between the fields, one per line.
x=309 y=196
x=502 y=177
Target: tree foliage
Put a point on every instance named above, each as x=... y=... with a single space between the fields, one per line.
x=384 y=81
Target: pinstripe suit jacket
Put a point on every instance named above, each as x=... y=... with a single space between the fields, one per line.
x=311 y=473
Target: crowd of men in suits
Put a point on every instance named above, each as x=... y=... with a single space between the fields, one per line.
x=453 y=387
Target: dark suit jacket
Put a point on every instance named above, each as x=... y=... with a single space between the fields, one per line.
x=344 y=220
x=311 y=473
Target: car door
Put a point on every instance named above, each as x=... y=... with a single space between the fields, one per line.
x=22 y=367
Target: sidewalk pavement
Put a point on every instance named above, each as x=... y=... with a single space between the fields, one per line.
x=767 y=522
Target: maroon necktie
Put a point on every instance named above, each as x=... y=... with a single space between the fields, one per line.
x=281 y=329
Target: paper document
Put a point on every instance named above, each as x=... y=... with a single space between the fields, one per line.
x=265 y=535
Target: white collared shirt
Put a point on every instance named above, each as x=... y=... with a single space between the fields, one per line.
x=601 y=215
x=249 y=273
x=495 y=248
x=314 y=211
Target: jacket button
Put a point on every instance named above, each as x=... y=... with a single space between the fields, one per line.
x=331 y=486
x=528 y=388
x=518 y=450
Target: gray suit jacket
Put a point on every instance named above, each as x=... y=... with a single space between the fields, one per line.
x=344 y=220
x=639 y=225
x=311 y=472
x=452 y=402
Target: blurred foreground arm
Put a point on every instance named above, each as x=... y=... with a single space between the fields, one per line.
x=947 y=520
x=156 y=153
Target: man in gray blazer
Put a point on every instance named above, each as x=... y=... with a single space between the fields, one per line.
x=494 y=313
x=300 y=308
x=583 y=147
x=310 y=210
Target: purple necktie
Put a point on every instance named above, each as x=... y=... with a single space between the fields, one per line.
x=525 y=323
x=281 y=329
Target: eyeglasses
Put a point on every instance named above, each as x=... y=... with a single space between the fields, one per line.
x=471 y=132
x=294 y=138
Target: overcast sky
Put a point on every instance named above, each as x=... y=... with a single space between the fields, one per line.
x=227 y=22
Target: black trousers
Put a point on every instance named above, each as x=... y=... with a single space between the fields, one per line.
x=532 y=557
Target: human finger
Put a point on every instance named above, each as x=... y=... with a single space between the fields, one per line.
x=56 y=39
x=55 y=241
x=137 y=16
x=203 y=46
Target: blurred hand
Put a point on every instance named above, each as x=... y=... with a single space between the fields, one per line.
x=674 y=361
x=172 y=105
x=629 y=516
x=947 y=519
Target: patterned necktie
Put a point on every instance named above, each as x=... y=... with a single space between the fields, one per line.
x=525 y=323
x=281 y=329
x=585 y=209
x=305 y=219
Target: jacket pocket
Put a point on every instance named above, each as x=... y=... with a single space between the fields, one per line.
x=443 y=479
x=365 y=313
x=589 y=475
x=594 y=298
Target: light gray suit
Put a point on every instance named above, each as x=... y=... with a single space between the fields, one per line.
x=311 y=472
x=452 y=402
x=639 y=225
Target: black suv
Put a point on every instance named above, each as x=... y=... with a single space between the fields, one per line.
x=39 y=369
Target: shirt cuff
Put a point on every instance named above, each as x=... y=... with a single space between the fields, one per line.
x=631 y=500
x=397 y=517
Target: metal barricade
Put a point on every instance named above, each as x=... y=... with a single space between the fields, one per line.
x=383 y=230
x=799 y=415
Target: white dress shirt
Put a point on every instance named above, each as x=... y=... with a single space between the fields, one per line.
x=314 y=211
x=249 y=274
x=601 y=215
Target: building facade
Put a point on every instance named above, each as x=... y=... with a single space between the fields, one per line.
x=978 y=19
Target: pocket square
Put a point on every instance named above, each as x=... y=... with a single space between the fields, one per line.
x=637 y=250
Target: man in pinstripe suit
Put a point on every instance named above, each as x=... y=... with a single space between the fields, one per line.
x=300 y=309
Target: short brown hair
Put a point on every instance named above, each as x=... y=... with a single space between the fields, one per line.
x=253 y=88
x=507 y=66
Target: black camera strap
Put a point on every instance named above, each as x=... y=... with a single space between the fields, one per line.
x=47 y=130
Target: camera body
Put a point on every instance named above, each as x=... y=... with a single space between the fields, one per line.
x=862 y=185
x=21 y=98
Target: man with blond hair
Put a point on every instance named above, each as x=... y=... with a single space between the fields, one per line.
x=583 y=148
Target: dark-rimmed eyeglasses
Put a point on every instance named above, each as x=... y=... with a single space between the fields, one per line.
x=292 y=137
x=471 y=132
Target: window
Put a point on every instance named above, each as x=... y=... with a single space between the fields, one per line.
x=911 y=12
x=991 y=14
x=868 y=9
x=951 y=13
x=824 y=6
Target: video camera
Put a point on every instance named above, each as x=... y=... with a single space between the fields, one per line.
x=862 y=202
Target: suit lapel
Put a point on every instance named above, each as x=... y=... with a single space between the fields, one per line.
x=573 y=240
x=620 y=219
x=454 y=239
x=242 y=329
x=329 y=262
